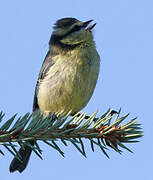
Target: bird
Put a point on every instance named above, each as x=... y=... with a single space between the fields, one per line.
x=68 y=75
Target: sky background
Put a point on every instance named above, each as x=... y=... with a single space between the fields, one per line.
x=124 y=39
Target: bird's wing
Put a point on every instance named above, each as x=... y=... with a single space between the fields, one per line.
x=47 y=63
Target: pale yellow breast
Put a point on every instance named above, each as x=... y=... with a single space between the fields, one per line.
x=70 y=82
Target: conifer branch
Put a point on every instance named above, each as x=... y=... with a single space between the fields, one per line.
x=104 y=132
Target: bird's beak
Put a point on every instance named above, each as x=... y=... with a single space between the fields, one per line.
x=85 y=24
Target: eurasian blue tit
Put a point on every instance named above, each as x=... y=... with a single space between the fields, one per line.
x=68 y=75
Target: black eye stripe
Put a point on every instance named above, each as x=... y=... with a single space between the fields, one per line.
x=55 y=38
x=76 y=28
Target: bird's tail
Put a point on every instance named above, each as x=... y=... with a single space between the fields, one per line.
x=24 y=154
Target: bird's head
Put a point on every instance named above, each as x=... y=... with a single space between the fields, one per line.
x=72 y=32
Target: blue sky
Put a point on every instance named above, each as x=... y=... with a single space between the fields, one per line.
x=124 y=39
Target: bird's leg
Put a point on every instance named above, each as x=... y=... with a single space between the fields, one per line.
x=87 y=117
x=95 y=119
x=52 y=116
x=113 y=112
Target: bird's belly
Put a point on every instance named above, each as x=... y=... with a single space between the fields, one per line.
x=67 y=89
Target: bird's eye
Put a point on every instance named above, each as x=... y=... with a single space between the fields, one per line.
x=76 y=28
